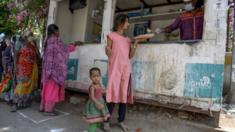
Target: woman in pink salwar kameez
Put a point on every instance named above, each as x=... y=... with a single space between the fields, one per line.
x=55 y=59
x=119 y=51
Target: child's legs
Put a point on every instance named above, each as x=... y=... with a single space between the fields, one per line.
x=122 y=112
x=92 y=127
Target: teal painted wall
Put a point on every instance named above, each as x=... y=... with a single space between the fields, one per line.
x=72 y=69
x=204 y=80
x=143 y=76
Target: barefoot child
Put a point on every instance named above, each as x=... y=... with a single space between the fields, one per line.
x=96 y=110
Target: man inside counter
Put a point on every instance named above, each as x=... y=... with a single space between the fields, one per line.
x=189 y=22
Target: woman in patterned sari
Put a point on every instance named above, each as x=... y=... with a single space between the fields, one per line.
x=26 y=73
x=6 y=89
x=55 y=58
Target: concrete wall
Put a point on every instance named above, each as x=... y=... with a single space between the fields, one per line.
x=90 y=36
x=80 y=24
x=72 y=26
x=64 y=20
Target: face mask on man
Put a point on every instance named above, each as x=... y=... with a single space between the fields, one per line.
x=189 y=7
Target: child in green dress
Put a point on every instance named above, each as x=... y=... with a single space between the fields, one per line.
x=96 y=110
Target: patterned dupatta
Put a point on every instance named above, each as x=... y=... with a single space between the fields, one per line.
x=55 y=59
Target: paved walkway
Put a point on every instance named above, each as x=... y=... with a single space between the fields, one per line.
x=70 y=120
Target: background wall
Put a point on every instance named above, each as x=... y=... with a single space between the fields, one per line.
x=91 y=36
x=184 y=74
x=64 y=20
x=79 y=25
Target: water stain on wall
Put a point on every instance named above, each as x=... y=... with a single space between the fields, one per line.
x=168 y=79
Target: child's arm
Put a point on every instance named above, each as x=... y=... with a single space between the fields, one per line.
x=92 y=97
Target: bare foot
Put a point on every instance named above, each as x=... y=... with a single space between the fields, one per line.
x=107 y=127
x=124 y=127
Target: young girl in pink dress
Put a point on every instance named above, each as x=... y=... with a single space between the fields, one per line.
x=119 y=51
x=96 y=110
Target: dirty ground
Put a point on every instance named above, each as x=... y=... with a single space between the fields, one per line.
x=140 y=118
x=227 y=118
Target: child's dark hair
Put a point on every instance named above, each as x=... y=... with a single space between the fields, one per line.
x=94 y=69
x=119 y=20
x=52 y=29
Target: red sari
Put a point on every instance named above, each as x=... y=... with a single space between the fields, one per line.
x=27 y=75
